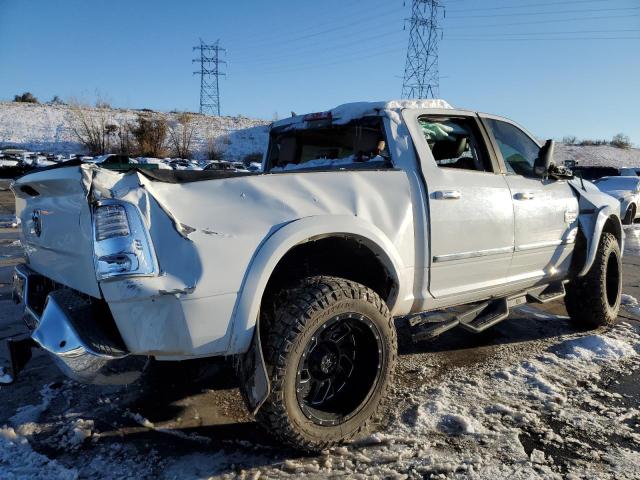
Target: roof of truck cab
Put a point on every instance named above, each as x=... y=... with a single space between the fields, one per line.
x=347 y=112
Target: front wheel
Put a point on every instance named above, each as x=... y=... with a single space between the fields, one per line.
x=630 y=215
x=594 y=300
x=331 y=349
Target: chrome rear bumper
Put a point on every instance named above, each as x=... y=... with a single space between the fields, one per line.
x=77 y=333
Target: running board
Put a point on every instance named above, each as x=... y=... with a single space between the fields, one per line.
x=485 y=316
x=547 y=293
x=479 y=317
x=431 y=325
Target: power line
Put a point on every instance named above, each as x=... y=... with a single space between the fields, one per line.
x=542 y=22
x=209 y=76
x=556 y=39
x=526 y=14
x=527 y=5
x=421 y=77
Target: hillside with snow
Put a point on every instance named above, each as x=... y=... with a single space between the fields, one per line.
x=598 y=155
x=49 y=128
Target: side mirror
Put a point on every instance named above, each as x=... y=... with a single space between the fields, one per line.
x=545 y=159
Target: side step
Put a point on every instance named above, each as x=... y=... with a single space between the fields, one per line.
x=485 y=316
x=479 y=316
x=547 y=293
x=430 y=325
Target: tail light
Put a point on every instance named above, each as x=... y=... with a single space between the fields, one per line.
x=121 y=242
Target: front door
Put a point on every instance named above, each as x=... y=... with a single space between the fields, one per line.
x=546 y=210
x=469 y=203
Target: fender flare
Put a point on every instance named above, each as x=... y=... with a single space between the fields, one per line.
x=255 y=385
x=278 y=244
x=592 y=226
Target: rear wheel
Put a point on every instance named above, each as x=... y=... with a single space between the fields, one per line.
x=332 y=350
x=594 y=300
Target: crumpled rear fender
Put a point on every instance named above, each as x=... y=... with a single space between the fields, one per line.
x=275 y=247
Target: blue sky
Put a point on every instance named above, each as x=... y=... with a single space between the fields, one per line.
x=558 y=67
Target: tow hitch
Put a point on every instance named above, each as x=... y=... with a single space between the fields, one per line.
x=18 y=352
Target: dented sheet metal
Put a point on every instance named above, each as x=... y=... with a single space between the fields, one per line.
x=206 y=233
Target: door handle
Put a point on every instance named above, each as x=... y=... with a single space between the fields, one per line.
x=447 y=195
x=524 y=196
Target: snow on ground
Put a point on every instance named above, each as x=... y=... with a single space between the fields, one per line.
x=19 y=462
x=49 y=128
x=476 y=424
x=516 y=417
x=631 y=305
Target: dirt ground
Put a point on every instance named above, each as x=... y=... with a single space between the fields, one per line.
x=188 y=420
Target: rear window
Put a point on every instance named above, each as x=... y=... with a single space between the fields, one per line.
x=360 y=144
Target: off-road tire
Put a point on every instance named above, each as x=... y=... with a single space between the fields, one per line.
x=301 y=314
x=630 y=215
x=589 y=299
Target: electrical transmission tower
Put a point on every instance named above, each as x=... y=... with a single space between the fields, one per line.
x=421 y=76
x=209 y=75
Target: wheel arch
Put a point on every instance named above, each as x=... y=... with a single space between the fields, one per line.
x=592 y=226
x=285 y=240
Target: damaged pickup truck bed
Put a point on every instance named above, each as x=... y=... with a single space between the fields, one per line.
x=363 y=213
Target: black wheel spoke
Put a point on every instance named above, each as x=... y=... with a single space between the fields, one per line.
x=330 y=383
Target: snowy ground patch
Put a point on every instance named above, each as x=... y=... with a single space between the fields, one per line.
x=505 y=423
x=19 y=462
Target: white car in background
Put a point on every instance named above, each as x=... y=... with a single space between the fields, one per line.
x=627 y=191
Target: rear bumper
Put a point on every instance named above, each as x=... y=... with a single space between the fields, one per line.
x=76 y=331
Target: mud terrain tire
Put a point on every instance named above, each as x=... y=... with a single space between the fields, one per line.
x=594 y=300
x=629 y=216
x=323 y=329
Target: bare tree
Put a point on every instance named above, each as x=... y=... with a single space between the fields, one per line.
x=621 y=140
x=94 y=128
x=126 y=140
x=180 y=135
x=150 y=132
x=216 y=146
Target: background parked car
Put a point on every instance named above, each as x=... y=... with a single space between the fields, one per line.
x=120 y=163
x=627 y=191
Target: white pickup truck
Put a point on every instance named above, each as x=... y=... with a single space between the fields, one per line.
x=364 y=213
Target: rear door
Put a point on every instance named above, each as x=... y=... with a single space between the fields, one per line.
x=546 y=210
x=470 y=210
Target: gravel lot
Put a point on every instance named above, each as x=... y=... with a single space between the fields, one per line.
x=531 y=398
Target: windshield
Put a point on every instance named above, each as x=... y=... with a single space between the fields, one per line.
x=360 y=143
x=618 y=183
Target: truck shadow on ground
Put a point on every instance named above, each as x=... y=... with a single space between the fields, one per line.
x=165 y=393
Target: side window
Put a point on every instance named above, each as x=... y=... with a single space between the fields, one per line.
x=455 y=143
x=518 y=150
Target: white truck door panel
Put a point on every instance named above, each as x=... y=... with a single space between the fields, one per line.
x=471 y=221
x=546 y=210
x=471 y=232
x=546 y=214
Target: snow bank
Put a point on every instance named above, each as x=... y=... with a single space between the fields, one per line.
x=630 y=304
x=19 y=462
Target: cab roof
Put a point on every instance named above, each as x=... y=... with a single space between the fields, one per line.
x=347 y=112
